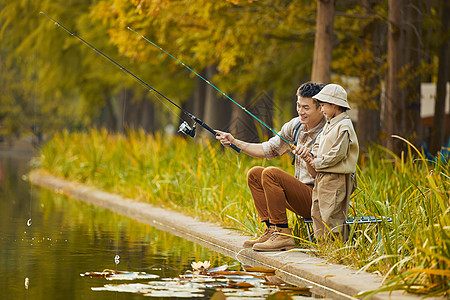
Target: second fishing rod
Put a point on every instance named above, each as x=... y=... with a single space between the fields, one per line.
x=291 y=145
x=184 y=127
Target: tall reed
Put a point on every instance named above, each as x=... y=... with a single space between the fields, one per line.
x=199 y=178
x=196 y=178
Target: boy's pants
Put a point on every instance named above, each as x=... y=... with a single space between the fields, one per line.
x=274 y=190
x=330 y=201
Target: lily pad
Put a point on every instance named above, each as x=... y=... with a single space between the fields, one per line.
x=119 y=275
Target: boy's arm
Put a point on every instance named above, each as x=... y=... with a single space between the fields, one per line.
x=310 y=166
x=337 y=153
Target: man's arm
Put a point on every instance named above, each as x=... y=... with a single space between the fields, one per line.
x=252 y=149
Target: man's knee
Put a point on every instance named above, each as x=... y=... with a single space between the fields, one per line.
x=271 y=173
x=255 y=173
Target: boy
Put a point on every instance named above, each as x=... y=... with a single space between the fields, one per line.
x=332 y=162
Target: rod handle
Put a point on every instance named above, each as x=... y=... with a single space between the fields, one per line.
x=235 y=148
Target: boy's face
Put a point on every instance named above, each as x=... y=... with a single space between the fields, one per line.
x=328 y=109
x=310 y=115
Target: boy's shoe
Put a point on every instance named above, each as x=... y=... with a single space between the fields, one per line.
x=261 y=239
x=277 y=242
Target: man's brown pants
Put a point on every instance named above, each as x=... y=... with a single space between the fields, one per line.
x=274 y=190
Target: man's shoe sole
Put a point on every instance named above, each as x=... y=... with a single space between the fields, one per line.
x=286 y=248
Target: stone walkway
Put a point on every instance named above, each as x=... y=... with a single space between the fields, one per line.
x=296 y=267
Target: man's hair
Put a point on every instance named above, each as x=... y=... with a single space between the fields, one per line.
x=309 y=89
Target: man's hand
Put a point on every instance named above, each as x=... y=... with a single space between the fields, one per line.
x=225 y=138
x=304 y=153
x=252 y=149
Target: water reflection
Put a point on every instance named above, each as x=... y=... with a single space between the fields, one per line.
x=44 y=259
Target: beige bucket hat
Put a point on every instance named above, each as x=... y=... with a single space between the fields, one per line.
x=334 y=94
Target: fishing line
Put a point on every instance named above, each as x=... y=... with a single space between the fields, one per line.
x=292 y=146
x=33 y=142
x=158 y=97
x=124 y=106
x=184 y=128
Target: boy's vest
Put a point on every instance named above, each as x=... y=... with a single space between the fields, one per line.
x=324 y=145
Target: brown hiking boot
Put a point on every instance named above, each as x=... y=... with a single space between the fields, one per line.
x=277 y=242
x=261 y=239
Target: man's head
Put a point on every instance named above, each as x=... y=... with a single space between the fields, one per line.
x=308 y=108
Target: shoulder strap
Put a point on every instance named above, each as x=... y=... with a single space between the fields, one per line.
x=295 y=135
x=296 y=132
x=314 y=140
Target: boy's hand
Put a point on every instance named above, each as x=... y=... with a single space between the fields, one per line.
x=304 y=153
x=310 y=161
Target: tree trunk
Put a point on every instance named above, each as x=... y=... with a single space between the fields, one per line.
x=323 y=43
x=201 y=86
x=369 y=109
x=111 y=119
x=243 y=125
x=122 y=110
x=196 y=101
x=147 y=119
x=402 y=106
x=262 y=107
x=394 y=101
x=413 y=39
x=438 y=131
x=131 y=112
x=217 y=111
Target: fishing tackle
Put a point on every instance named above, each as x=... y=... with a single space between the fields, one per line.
x=184 y=127
x=291 y=145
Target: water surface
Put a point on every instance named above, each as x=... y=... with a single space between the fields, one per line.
x=48 y=240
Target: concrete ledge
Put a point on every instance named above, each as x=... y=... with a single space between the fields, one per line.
x=298 y=268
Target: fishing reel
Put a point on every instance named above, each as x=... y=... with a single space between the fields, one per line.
x=186 y=129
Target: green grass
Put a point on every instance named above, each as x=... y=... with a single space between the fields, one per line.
x=199 y=178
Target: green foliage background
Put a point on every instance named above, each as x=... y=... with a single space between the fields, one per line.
x=49 y=80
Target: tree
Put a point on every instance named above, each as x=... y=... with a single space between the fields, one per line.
x=369 y=104
x=259 y=49
x=323 y=44
x=402 y=96
x=262 y=45
x=413 y=17
x=438 y=133
x=394 y=100
x=217 y=111
x=27 y=60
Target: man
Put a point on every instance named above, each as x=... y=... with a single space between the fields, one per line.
x=274 y=190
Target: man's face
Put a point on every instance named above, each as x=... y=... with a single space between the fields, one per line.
x=310 y=115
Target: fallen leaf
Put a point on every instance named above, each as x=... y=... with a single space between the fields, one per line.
x=274 y=280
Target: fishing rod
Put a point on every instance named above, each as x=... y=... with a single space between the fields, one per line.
x=291 y=145
x=184 y=127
